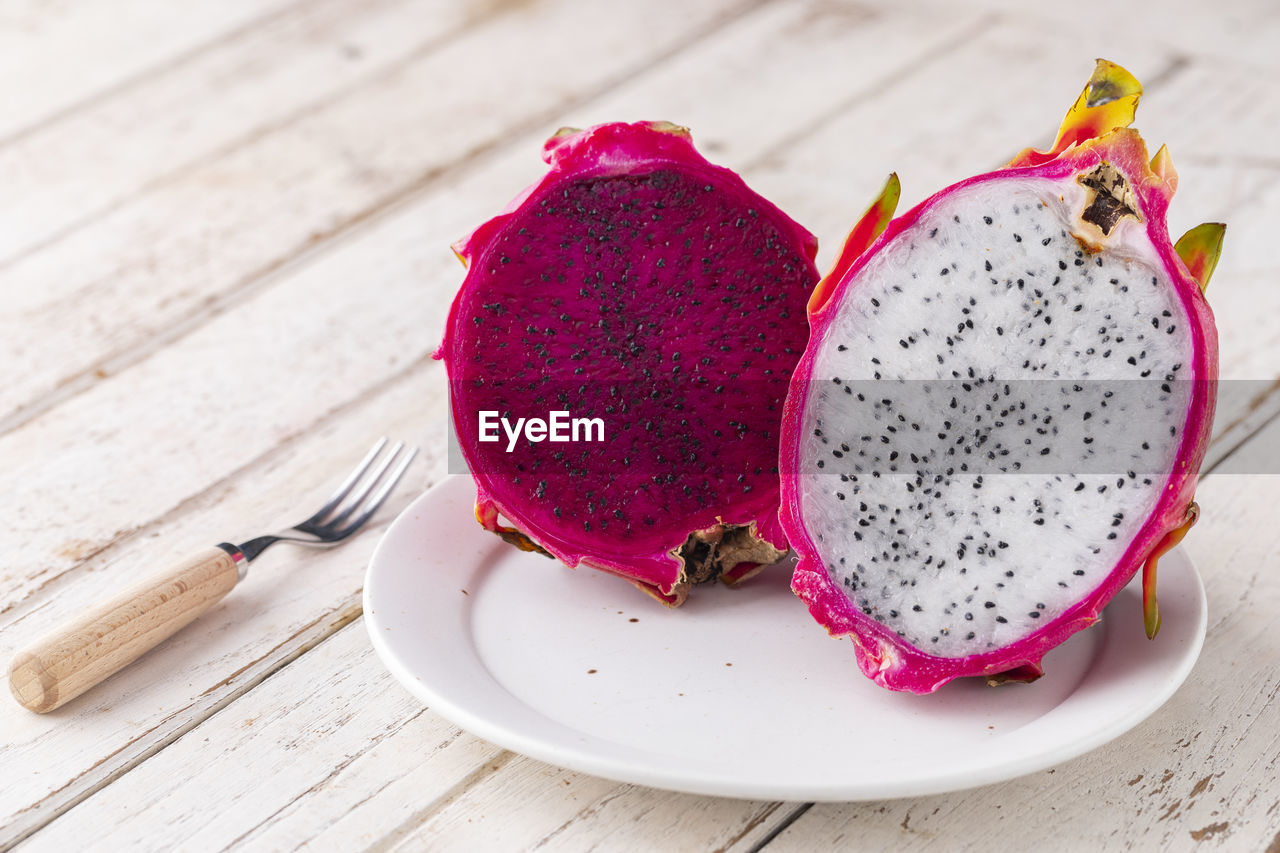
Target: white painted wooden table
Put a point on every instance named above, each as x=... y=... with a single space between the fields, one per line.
x=224 y=263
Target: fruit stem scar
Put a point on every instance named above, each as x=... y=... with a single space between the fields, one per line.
x=1112 y=199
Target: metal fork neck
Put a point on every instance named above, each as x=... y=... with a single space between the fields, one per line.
x=241 y=556
x=254 y=547
x=364 y=490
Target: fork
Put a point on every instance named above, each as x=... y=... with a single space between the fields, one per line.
x=97 y=644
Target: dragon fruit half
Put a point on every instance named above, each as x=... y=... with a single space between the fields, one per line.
x=1003 y=406
x=658 y=305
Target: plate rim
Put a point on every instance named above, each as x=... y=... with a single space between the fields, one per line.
x=610 y=766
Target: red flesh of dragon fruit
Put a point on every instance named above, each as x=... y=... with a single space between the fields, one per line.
x=639 y=284
x=1003 y=406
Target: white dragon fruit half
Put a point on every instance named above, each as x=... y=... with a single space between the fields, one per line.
x=1003 y=406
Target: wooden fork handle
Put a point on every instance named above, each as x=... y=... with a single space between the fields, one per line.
x=62 y=665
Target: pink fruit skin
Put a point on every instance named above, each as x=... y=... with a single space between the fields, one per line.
x=609 y=150
x=881 y=654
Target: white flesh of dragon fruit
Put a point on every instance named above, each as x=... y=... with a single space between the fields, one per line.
x=985 y=293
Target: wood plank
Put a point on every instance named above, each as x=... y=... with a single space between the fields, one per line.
x=296 y=766
x=528 y=805
x=194 y=245
x=1231 y=33
x=70 y=171
x=58 y=57
x=931 y=132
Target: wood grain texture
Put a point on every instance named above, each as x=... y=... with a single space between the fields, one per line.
x=56 y=58
x=109 y=636
x=293 y=770
x=72 y=170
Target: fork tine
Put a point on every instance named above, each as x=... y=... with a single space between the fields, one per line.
x=380 y=496
x=350 y=482
x=353 y=501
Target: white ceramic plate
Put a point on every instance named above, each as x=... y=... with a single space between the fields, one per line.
x=738 y=693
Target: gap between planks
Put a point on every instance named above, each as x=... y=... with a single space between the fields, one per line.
x=404 y=829
x=791 y=817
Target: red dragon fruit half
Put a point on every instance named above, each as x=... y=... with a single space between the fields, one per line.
x=658 y=305
x=1003 y=406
